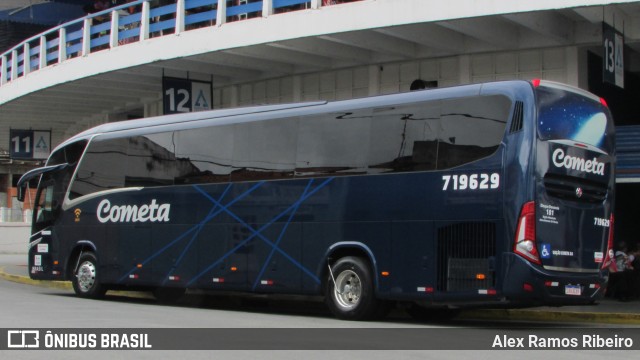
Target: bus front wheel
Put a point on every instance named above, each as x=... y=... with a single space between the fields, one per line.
x=86 y=280
x=350 y=292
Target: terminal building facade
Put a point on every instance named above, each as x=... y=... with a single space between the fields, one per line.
x=149 y=58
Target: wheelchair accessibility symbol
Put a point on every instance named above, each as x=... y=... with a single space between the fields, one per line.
x=546 y=251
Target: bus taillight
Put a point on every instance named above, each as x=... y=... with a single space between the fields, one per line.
x=525 y=242
x=609 y=256
x=604 y=102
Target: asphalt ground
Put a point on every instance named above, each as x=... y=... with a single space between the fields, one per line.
x=13 y=267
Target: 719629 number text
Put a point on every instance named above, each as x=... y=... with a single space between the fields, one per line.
x=471 y=182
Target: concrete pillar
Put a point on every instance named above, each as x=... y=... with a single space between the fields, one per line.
x=571 y=65
x=113 y=36
x=14 y=65
x=374 y=80
x=235 y=96
x=62 y=45
x=464 y=69
x=86 y=37
x=221 y=14
x=179 y=16
x=297 y=88
x=144 y=21
x=26 y=59
x=3 y=71
x=267 y=8
x=42 y=57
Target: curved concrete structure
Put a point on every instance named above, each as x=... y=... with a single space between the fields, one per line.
x=319 y=38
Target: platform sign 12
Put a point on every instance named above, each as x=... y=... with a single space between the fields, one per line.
x=29 y=144
x=185 y=95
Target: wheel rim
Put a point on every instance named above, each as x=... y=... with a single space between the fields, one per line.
x=86 y=276
x=348 y=289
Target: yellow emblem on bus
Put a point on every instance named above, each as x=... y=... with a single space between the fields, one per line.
x=77 y=212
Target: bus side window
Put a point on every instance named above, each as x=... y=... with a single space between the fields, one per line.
x=471 y=129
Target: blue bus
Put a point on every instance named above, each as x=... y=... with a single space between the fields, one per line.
x=496 y=194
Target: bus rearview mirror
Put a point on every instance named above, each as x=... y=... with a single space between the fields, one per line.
x=22 y=190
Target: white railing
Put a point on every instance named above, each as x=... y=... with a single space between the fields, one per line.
x=14 y=215
x=133 y=22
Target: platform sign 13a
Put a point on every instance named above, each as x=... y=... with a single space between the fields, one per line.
x=185 y=95
x=29 y=144
x=613 y=56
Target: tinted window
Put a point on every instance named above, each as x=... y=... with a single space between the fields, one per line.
x=69 y=154
x=152 y=161
x=264 y=150
x=102 y=167
x=404 y=138
x=436 y=135
x=207 y=151
x=564 y=115
x=333 y=144
x=413 y=137
x=471 y=129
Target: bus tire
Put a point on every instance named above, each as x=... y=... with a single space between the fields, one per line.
x=352 y=296
x=86 y=278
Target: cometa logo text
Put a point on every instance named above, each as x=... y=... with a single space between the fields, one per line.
x=575 y=163
x=133 y=213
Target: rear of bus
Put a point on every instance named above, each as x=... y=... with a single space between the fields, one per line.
x=563 y=236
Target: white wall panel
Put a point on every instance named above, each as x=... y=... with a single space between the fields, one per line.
x=506 y=63
x=482 y=65
x=529 y=61
x=553 y=59
x=429 y=69
x=548 y=64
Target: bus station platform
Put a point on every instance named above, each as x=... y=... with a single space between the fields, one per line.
x=13 y=267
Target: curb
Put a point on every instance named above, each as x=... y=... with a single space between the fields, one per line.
x=480 y=314
x=551 y=316
x=66 y=285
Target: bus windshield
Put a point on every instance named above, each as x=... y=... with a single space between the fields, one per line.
x=565 y=115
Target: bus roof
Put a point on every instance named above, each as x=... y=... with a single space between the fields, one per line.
x=223 y=116
x=185 y=117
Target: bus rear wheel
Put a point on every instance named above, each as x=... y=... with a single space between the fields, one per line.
x=86 y=280
x=350 y=293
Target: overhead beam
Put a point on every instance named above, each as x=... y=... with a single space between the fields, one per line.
x=428 y=35
x=499 y=33
x=549 y=24
x=244 y=62
x=208 y=69
x=378 y=42
x=297 y=59
x=326 y=48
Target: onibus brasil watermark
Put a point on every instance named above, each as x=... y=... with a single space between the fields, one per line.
x=41 y=339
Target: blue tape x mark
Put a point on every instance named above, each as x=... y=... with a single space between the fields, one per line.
x=219 y=208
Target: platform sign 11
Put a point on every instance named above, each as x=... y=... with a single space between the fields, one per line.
x=29 y=144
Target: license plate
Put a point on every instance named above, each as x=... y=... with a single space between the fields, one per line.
x=572 y=290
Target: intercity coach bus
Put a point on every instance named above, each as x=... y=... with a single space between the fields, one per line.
x=497 y=194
